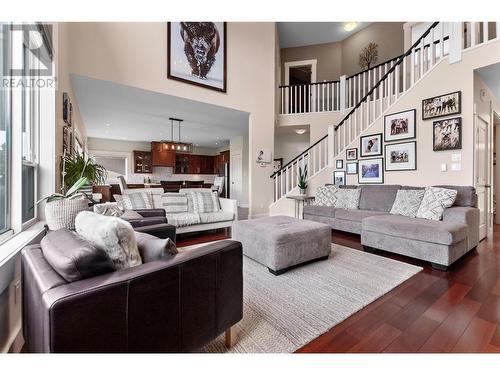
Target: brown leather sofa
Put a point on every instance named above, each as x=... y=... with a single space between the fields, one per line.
x=172 y=304
x=153 y=222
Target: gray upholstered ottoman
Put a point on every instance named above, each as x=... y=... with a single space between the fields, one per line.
x=282 y=242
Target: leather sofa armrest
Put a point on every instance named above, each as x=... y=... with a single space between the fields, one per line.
x=468 y=216
x=151 y=212
x=106 y=313
x=158 y=230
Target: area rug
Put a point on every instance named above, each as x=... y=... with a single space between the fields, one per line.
x=283 y=313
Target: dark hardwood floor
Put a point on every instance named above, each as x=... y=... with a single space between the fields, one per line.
x=432 y=312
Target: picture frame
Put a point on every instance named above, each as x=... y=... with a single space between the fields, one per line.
x=66 y=109
x=447 y=134
x=277 y=164
x=181 y=61
x=339 y=164
x=442 y=105
x=370 y=145
x=351 y=154
x=263 y=156
x=401 y=156
x=400 y=125
x=351 y=168
x=371 y=171
x=339 y=178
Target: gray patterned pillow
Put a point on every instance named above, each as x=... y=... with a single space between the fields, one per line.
x=435 y=201
x=348 y=198
x=137 y=201
x=174 y=202
x=325 y=196
x=407 y=202
x=205 y=201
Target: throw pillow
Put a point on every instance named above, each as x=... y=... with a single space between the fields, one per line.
x=326 y=196
x=407 y=202
x=205 y=201
x=131 y=215
x=434 y=202
x=347 y=198
x=108 y=209
x=111 y=234
x=119 y=201
x=152 y=248
x=137 y=201
x=174 y=202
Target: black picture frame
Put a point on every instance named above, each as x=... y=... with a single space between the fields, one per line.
x=66 y=109
x=339 y=173
x=361 y=153
x=355 y=163
x=339 y=164
x=347 y=154
x=458 y=146
x=414 y=115
x=170 y=74
x=400 y=169
x=381 y=162
x=457 y=112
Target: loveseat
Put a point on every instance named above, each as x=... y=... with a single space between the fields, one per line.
x=439 y=242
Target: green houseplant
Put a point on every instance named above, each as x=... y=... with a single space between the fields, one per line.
x=302 y=184
x=75 y=166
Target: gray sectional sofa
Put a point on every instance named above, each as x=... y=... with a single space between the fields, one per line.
x=439 y=242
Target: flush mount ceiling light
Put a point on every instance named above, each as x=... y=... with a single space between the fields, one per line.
x=176 y=145
x=300 y=131
x=349 y=26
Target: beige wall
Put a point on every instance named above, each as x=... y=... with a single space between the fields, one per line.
x=135 y=54
x=289 y=145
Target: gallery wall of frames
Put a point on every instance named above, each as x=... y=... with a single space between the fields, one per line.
x=396 y=148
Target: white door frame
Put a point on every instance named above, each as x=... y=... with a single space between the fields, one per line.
x=290 y=64
x=231 y=175
x=488 y=183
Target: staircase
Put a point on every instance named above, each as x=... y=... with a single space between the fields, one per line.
x=370 y=94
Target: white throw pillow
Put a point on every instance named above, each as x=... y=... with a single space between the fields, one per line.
x=326 y=196
x=174 y=203
x=137 y=201
x=435 y=201
x=347 y=198
x=111 y=234
x=205 y=201
x=407 y=202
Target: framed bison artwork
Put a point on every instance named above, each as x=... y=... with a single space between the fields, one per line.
x=442 y=105
x=197 y=53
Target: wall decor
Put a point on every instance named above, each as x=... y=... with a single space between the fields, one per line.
x=278 y=164
x=339 y=164
x=401 y=156
x=371 y=145
x=66 y=109
x=197 y=53
x=351 y=168
x=371 y=171
x=339 y=178
x=447 y=134
x=263 y=156
x=368 y=56
x=401 y=125
x=442 y=105
x=351 y=154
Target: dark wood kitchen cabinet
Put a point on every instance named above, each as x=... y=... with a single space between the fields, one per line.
x=142 y=162
x=161 y=156
x=194 y=164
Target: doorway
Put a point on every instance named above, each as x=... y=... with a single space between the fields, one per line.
x=236 y=176
x=298 y=77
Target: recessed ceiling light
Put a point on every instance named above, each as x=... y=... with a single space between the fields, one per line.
x=300 y=131
x=349 y=26
x=108 y=124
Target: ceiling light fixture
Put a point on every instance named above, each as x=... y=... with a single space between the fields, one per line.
x=300 y=131
x=108 y=124
x=349 y=26
x=176 y=145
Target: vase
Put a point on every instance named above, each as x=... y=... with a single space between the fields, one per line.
x=61 y=213
x=302 y=191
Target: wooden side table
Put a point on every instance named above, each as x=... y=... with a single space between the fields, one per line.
x=300 y=201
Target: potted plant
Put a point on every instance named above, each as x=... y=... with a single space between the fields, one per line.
x=302 y=184
x=61 y=209
x=75 y=167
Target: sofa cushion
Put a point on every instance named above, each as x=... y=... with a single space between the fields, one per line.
x=378 y=197
x=137 y=201
x=72 y=257
x=409 y=187
x=440 y=232
x=347 y=198
x=355 y=215
x=326 y=211
x=111 y=234
x=205 y=201
x=216 y=217
x=153 y=248
x=131 y=215
x=325 y=196
x=407 y=202
x=466 y=195
x=434 y=202
x=183 y=219
x=174 y=202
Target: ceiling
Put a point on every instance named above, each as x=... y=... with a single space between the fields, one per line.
x=139 y=115
x=297 y=34
x=491 y=76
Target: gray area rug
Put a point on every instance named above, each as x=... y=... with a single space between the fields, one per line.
x=283 y=313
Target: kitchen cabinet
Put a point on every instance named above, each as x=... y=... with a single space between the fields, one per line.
x=194 y=164
x=161 y=156
x=142 y=162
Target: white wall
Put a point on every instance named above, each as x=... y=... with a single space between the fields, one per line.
x=289 y=145
x=135 y=54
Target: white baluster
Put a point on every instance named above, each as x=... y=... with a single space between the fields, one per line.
x=441 y=41
x=301 y=99
x=421 y=66
x=473 y=34
x=412 y=68
x=317 y=97
x=328 y=97
x=404 y=74
x=309 y=93
x=497 y=27
x=485 y=32
x=295 y=98
x=433 y=49
x=398 y=77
